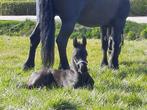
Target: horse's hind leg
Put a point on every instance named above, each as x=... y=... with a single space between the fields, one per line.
x=104 y=40
x=118 y=27
x=65 y=32
x=110 y=41
x=34 y=41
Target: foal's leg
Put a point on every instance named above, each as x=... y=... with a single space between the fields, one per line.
x=118 y=27
x=104 y=40
x=65 y=32
x=34 y=41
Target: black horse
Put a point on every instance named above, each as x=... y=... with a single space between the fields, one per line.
x=110 y=15
x=77 y=76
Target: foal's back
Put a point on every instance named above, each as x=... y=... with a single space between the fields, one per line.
x=60 y=78
x=65 y=78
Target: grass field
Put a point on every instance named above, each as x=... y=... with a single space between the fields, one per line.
x=125 y=89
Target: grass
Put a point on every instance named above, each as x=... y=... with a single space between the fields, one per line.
x=125 y=89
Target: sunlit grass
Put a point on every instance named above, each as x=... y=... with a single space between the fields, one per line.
x=114 y=90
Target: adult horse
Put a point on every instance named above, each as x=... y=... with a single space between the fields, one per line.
x=108 y=14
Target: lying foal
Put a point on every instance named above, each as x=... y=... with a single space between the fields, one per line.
x=77 y=76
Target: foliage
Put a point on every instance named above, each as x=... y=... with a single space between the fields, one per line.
x=131 y=35
x=139 y=7
x=24 y=28
x=133 y=30
x=16 y=28
x=86 y=31
x=17 y=8
x=143 y=33
x=124 y=89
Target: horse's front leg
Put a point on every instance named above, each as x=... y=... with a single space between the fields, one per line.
x=34 y=41
x=104 y=40
x=65 y=32
x=118 y=27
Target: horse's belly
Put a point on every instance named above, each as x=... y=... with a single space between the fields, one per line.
x=98 y=12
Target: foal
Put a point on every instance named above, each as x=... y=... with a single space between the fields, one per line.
x=77 y=76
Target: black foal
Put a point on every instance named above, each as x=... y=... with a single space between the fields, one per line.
x=77 y=76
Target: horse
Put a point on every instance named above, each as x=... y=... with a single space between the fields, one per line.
x=77 y=76
x=106 y=14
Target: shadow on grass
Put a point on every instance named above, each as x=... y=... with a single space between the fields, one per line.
x=141 y=66
x=65 y=105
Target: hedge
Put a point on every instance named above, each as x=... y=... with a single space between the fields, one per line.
x=132 y=30
x=16 y=28
x=139 y=7
x=17 y=8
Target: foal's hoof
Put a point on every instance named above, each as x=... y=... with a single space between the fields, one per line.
x=27 y=67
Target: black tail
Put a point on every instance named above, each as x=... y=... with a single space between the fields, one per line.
x=47 y=27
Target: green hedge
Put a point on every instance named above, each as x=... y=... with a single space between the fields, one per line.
x=132 y=30
x=16 y=28
x=17 y=8
x=139 y=7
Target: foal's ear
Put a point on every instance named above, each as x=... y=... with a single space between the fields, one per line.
x=75 y=42
x=84 y=41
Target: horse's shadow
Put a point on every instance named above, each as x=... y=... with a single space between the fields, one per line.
x=140 y=68
x=65 y=105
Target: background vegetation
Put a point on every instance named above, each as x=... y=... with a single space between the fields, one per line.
x=125 y=89
x=138 y=7
x=132 y=30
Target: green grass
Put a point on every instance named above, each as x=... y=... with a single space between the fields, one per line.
x=114 y=90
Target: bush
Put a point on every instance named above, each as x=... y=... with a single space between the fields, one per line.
x=139 y=7
x=143 y=33
x=17 y=8
x=16 y=28
x=133 y=28
x=86 y=31
x=24 y=28
x=131 y=35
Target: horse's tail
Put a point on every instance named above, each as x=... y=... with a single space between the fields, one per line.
x=47 y=28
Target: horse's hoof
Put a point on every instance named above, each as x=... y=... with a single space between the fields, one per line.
x=104 y=64
x=27 y=67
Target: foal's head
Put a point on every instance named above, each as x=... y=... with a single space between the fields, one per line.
x=79 y=58
x=79 y=64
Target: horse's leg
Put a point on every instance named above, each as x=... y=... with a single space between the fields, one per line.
x=34 y=41
x=65 y=32
x=110 y=41
x=104 y=40
x=118 y=27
